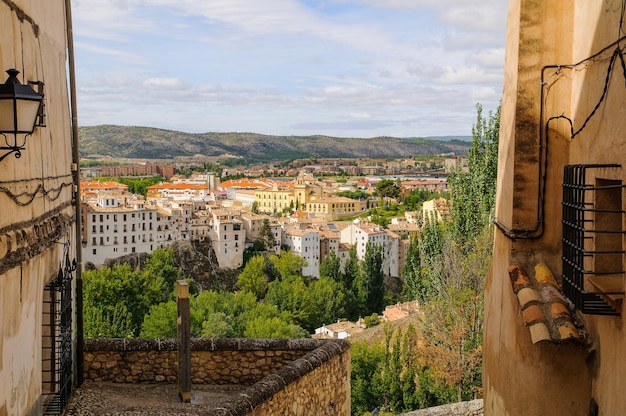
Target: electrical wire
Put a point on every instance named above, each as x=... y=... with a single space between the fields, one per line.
x=537 y=231
x=52 y=193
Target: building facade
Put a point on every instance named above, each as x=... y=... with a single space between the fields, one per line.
x=361 y=234
x=116 y=226
x=306 y=244
x=554 y=339
x=38 y=240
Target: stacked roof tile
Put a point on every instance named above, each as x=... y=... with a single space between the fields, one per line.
x=547 y=313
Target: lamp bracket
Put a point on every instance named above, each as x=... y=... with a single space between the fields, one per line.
x=12 y=149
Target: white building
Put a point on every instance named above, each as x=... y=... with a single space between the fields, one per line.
x=245 y=196
x=359 y=234
x=339 y=330
x=306 y=244
x=228 y=237
x=116 y=226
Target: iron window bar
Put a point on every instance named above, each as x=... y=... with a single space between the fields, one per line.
x=57 y=347
x=579 y=226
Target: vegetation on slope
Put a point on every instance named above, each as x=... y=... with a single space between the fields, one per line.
x=151 y=143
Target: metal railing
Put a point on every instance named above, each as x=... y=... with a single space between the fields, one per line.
x=57 y=354
x=580 y=240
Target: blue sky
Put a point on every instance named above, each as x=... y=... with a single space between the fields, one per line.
x=346 y=68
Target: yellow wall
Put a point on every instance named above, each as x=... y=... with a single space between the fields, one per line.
x=29 y=230
x=273 y=201
x=543 y=39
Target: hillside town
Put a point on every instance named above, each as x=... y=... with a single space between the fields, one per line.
x=302 y=214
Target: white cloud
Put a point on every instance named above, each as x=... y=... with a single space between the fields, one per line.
x=110 y=52
x=270 y=65
x=165 y=83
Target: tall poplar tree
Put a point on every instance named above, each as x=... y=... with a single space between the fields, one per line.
x=473 y=192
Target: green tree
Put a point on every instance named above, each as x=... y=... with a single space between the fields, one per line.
x=266 y=236
x=253 y=278
x=392 y=370
x=292 y=295
x=358 y=194
x=425 y=262
x=351 y=268
x=374 y=278
x=473 y=192
x=109 y=322
x=160 y=321
x=218 y=325
x=386 y=188
x=160 y=269
x=328 y=301
x=261 y=327
x=412 y=271
x=365 y=376
x=417 y=197
x=105 y=289
x=288 y=264
x=140 y=185
x=331 y=267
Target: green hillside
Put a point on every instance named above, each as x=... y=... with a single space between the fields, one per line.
x=152 y=143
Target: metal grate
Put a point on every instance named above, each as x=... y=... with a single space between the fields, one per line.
x=582 y=241
x=57 y=352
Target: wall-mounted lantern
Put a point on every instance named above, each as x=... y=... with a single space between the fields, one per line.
x=19 y=110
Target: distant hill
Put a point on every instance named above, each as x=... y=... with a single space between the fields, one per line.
x=450 y=138
x=152 y=143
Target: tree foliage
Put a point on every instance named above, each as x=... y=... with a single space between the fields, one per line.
x=374 y=279
x=103 y=291
x=444 y=270
x=387 y=188
x=473 y=192
x=253 y=278
x=266 y=236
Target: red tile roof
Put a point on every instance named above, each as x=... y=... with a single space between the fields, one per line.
x=177 y=186
x=97 y=185
x=547 y=313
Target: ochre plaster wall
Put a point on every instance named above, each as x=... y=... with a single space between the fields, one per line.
x=31 y=223
x=544 y=39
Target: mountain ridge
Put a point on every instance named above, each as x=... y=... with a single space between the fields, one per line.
x=154 y=143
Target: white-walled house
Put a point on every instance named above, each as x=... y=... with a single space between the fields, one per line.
x=116 y=226
x=306 y=244
x=359 y=234
x=228 y=237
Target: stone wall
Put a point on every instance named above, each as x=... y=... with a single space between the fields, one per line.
x=295 y=377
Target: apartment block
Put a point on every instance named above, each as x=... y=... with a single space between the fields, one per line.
x=115 y=226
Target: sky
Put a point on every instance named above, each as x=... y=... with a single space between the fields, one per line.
x=344 y=68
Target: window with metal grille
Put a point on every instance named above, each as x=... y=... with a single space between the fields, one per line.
x=593 y=255
x=57 y=360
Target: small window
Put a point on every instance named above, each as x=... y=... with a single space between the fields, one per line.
x=593 y=255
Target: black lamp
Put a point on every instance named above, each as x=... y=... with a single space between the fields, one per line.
x=19 y=108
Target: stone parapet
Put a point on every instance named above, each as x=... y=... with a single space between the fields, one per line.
x=286 y=376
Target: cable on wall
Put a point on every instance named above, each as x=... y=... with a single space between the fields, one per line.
x=25 y=198
x=537 y=231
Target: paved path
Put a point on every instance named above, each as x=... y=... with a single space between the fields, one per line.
x=109 y=399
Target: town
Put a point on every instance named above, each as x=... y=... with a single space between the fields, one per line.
x=304 y=214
